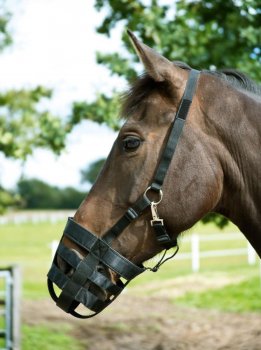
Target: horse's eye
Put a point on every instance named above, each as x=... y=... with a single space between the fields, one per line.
x=131 y=143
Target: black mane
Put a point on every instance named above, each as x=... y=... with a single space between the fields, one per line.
x=238 y=80
x=145 y=85
x=234 y=77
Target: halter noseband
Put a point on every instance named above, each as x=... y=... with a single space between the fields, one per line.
x=85 y=282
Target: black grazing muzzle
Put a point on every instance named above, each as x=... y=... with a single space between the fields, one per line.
x=77 y=288
x=82 y=282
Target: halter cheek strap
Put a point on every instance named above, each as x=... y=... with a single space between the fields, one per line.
x=176 y=130
x=144 y=202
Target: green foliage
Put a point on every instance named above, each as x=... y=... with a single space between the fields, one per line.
x=91 y=173
x=201 y=33
x=104 y=110
x=219 y=220
x=241 y=297
x=205 y=34
x=5 y=37
x=8 y=199
x=24 y=127
x=37 y=194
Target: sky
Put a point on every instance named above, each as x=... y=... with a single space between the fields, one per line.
x=54 y=45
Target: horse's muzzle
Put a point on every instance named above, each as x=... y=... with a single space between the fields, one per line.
x=68 y=270
x=87 y=280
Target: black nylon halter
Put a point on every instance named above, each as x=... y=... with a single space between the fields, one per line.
x=78 y=288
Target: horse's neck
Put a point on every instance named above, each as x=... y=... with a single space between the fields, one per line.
x=238 y=126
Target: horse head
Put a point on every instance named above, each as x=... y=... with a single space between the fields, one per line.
x=113 y=231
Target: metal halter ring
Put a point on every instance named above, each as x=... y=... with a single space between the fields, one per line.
x=160 y=195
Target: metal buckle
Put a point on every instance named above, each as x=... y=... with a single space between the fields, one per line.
x=160 y=195
x=155 y=215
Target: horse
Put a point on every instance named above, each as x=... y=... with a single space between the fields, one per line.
x=151 y=188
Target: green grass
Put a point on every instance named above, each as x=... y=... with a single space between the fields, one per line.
x=241 y=297
x=49 y=337
x=28 y=245
x=230 y=266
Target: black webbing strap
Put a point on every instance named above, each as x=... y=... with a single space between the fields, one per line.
x=131 y=214
x=101 y=250
x=92 y=275
x=176 y=131
x=162 y=235
x=85 y=270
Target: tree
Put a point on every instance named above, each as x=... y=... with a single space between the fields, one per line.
x=91 y=173
x=36 y=194
x=24 y=125
x=5 y=37
x=8 y=199
x=205 y=34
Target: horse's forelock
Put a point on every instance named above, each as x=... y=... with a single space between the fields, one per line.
x=139 y=92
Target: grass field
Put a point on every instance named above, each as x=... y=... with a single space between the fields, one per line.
x=28 y=245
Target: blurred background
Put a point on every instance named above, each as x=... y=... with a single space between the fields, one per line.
x=63 y=67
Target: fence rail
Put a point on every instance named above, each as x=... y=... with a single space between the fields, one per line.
x=35 y=217
x=196 y=254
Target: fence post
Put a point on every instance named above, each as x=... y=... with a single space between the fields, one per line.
x=10 y=307
x=54 y=246
x=195 y=252
x=251 y=254
x=16 y=307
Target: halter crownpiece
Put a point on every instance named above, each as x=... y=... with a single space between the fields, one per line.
x=85 y=284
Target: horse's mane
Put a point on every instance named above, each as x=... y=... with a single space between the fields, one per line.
x=145 y=85
x=236 y=78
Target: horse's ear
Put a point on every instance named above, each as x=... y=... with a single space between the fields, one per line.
x=157 y=66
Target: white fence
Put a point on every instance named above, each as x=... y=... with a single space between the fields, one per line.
x=35 y=217
x=10 y=295
x=196 y=254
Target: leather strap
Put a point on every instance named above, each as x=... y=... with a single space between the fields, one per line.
x=143 y=202
x=162 y=235
x=176 y=131
x=131 y=214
